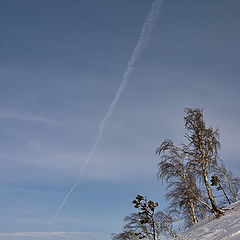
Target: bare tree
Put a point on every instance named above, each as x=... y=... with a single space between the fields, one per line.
x=165 y=224
x=215 y=181
x=202 y=150
x=136 y=225
x=227 y=183
x=146 y=223
x=184 y=195
x=182 y=166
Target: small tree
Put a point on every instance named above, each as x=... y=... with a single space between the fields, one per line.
x=184 y=195
x=165 y=224
x=146 y=223
x=215 y=181
x=227 y=183
x=146 y=213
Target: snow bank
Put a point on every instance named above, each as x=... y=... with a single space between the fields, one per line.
x=226 y=227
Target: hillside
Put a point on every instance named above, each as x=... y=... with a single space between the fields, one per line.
x=227 y=227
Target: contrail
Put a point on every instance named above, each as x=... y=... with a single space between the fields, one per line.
x=143 y=39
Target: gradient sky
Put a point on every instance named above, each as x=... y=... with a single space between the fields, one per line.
x=61 y=62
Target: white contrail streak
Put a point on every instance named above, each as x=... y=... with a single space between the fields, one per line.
x=143 y=39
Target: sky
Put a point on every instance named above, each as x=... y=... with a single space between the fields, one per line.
x=61 y=63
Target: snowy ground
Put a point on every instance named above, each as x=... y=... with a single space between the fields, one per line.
x=227 y=227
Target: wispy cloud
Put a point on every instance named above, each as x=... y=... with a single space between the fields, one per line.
x=26 y=117
x=52 y=235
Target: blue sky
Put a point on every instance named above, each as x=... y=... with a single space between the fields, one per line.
x=61 y=63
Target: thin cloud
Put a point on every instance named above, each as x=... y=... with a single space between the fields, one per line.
x=26 y=118
x=51 y=235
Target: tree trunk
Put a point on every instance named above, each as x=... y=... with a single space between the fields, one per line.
x=153 y=226
x=217 y=211
x=225 y=194
x=194 y=218
x=230 y=188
